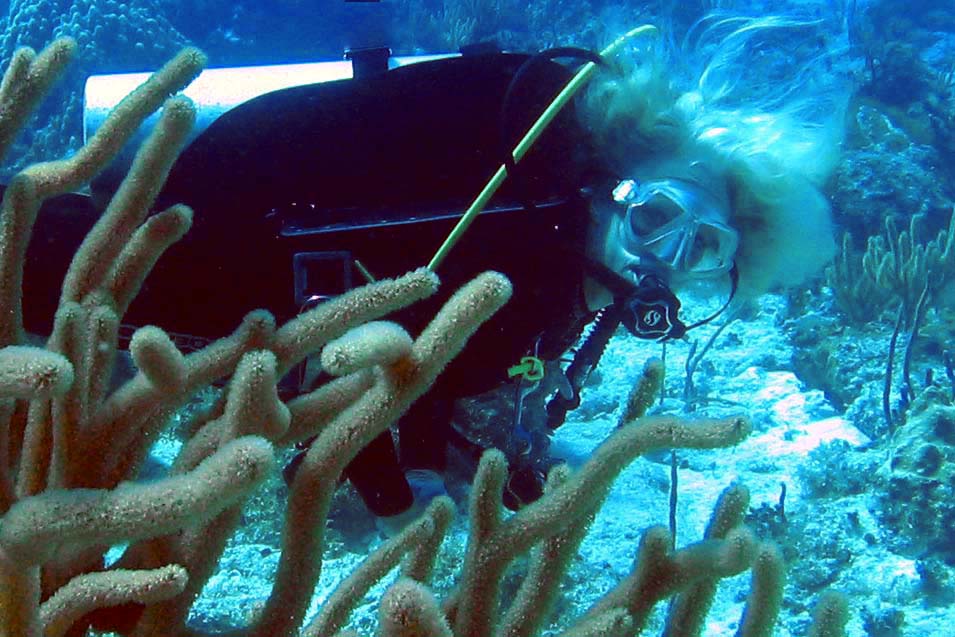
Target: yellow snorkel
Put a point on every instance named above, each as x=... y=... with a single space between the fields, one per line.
x=573 y=86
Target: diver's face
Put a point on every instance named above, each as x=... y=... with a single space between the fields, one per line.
x=675 y=228
x=672 y=228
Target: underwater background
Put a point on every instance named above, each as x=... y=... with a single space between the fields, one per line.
x=849 y=381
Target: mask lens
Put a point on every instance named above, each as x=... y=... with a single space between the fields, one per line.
x=711 y=250
x=676 y=226
x=654 y=213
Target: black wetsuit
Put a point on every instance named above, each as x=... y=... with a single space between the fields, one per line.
x=376 y=169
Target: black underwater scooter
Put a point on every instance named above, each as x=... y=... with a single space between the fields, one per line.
x=291 y=188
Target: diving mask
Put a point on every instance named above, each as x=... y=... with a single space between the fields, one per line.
x=677 y=226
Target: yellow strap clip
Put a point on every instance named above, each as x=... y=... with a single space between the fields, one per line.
x=530 y=368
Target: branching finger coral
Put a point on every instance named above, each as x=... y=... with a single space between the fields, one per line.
x=898 y=264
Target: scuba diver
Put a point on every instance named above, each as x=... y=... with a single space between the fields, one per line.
x=638 y=190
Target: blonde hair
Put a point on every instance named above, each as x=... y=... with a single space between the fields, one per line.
x=775 y=141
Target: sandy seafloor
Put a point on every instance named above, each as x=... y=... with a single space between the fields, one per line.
x=745 y=372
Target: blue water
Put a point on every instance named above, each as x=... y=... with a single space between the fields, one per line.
x=863 y=441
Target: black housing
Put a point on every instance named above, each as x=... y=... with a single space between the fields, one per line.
x=289 y=188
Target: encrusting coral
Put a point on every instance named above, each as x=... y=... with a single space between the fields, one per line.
x=70 y=449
